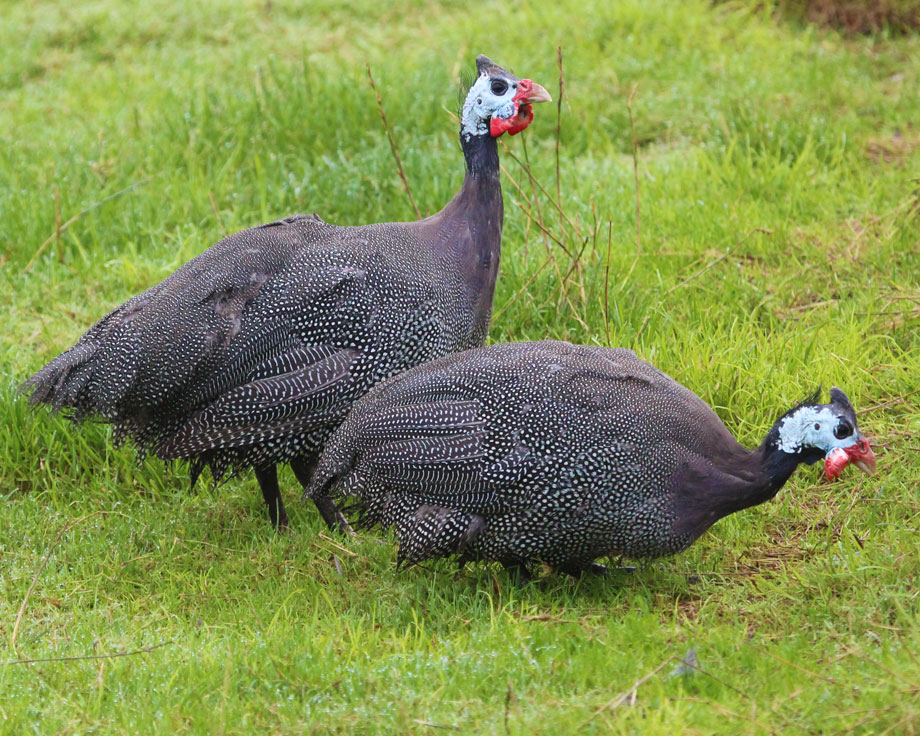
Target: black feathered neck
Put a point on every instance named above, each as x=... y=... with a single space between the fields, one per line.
x=778 y=465
x=481 y=154
x=733 y=478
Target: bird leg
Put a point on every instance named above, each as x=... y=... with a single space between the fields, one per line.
x=326 y=506
x=520 y=571
x=576 y=569
x=267 y=475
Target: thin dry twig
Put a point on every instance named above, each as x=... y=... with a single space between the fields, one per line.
x=434 y=725
x=547 y=234
x=61 y=228
x=255 y=615
x=22 y=608
x=534 y=182
x=393 y=147
x=626 y=694
x=563 y=280
x=887 y=404
x=57 y=223
x=711 y=676
x=220 y=224
x=114 y=655
x=873 y=714
x=539 y=223
x=896 y=727
x=520 y=291
x=726 y=711
x=559 y=121
x=893 y=673
x=796 y=666
x=700 y=272
x=607 y=281
x=635 y=151
x=343 y=550
x=509 y=695
x=537 y=220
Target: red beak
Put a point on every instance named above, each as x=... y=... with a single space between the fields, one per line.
x=860 y=455
x=528 y=93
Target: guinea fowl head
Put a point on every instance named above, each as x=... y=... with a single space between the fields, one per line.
x=498 y=102
x=812 y=431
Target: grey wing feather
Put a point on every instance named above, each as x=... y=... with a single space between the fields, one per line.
x=427 y=440
x=301 y=400
x=431 y=419
x=427 y=464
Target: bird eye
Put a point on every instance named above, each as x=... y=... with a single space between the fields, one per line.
x=499 y=87
x=817 y=426
x=843 y=430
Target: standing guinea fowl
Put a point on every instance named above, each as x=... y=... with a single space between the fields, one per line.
x=252 y=353
x=558 y=453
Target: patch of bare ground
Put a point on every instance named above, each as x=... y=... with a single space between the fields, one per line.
x=858 y=16
x=893 y=148
x=827 y=263
x=898 y=309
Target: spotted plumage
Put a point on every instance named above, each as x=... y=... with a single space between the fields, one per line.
x=552 y=452
x=251 y=354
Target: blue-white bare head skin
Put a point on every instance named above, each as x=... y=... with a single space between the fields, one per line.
x=829 y=429
x=498 y=95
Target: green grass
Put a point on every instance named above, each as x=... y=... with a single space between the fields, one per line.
x=779 y=251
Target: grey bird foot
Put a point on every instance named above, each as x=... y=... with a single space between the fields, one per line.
x=333 y=516
x=593 y=568
x=268 y=481
x=519 y=572
x=576 y=570
x=281 y=524
x=344 y=526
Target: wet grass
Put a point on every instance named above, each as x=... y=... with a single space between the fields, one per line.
x=777 y=170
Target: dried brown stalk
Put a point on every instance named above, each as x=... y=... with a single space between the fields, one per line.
x=393 y=146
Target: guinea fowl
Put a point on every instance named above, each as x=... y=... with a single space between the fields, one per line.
x=251 y=354
x=550 y=452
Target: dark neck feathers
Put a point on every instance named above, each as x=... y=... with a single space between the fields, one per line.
x=481 y=154
x=467 y=233
x=779 y=465
x=757 y=476
x=734 y=479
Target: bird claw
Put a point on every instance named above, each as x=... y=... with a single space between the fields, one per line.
x=344 y=526
x=594 y=568
x=519 y=572
x=577 y=570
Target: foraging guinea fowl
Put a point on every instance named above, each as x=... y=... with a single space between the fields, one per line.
x=251 y=354
x=558 y=453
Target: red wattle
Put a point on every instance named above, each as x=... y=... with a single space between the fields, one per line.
x=835 y=462
x=513 y=125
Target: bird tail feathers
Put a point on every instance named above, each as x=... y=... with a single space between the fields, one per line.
x=435 y=531
x=62 y=382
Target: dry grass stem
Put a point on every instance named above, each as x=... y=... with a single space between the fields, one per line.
x=616 y=702
x=635 y=156
x=216 y=212
x=114 y=655
x=393 y=146
x=64 y=529
x=58 y=229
